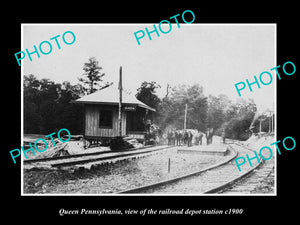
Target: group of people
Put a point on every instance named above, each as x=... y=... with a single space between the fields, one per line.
x=179 y=137
x=184 y=137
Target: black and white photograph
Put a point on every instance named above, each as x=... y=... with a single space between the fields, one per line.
x=175 y=109
x=150 y=112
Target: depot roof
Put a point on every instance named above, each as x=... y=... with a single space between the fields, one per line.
x=110 y=96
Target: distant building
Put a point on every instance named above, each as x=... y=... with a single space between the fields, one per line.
x=101 y=115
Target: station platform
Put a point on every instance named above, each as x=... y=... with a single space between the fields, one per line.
x=213 y=149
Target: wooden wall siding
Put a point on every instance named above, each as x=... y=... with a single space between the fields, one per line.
x=92 y=122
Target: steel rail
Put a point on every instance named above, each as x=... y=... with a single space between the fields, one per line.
x=122 y=154
x=170 y=181
x=234 y=180
x=211 y=190
x=28 y=161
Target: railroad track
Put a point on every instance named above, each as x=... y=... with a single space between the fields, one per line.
x=207 y=181
x=259 y=181
x=72 y=160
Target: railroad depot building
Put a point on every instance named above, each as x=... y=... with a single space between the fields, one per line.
x=101 y=111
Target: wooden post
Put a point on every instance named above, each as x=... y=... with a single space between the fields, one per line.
x=169 y=165
x=120 y=102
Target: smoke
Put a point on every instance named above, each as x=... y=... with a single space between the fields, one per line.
x=259 y=112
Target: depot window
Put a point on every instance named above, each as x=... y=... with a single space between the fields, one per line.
x=105 y=119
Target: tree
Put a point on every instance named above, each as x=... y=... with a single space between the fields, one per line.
x=40 y=100
x=171 y=110
x=93 y=76
x=47 y=106
x=31 y=116
x=147 y=94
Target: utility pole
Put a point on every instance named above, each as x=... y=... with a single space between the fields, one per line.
x=120 y=102
x=272 y=122
x=260 y=126
x=185 y=114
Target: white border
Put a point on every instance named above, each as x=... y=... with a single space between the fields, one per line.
x=143 y=24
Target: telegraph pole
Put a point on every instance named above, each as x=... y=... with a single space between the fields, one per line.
x=260 y=126
x=272 y=122
x=185 y=114
x=120 y=102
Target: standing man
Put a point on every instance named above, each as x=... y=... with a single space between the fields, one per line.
x=173 y=137
x=189 y=139
x=224 y=136
x=185 y=137
x=200 y=137
x=197 y=138
x=211 y=133
x=207 y=136
x=169 y=137
x=176 y=137
x=180 y=137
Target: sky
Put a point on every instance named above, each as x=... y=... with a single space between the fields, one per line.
x=217 y=56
